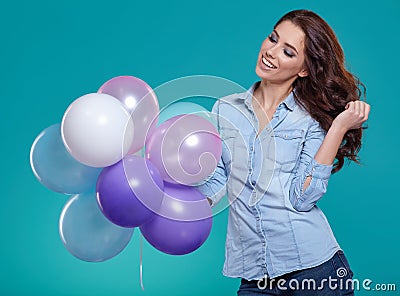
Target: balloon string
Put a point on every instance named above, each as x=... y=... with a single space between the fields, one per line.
x=141 y=262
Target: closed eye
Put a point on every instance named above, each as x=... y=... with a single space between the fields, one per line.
x=288 y=53
x=272 y=39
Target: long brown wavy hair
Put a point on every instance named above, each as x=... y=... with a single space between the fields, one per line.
x=329 y=86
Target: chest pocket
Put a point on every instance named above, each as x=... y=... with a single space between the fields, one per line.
x=228 y=137
x=288 y=145
x=236 y=159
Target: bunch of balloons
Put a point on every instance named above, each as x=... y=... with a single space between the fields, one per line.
x=124 y=169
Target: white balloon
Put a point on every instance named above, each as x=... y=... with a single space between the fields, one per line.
x=97 y=130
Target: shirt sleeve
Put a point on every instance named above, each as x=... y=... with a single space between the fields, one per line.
x=214 y=187
x=305 y=200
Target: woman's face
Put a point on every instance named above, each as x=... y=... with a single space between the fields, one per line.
x=281 y=57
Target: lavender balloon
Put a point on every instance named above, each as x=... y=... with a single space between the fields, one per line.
x=140 y=101
x=130 y=191
x=185 y=149
x=175 y=236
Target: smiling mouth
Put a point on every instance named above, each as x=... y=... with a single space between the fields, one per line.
x=268 y=63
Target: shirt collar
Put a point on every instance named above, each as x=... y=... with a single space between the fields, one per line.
x=289 y=102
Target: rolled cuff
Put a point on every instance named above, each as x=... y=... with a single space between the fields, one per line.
x=318 y=170
x=207 y=191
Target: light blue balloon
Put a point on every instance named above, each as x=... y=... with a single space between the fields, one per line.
x=54 y=166
x=87 y=233
x=180 y=108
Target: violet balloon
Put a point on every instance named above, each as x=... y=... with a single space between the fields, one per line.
x=140 y=101
x=175 y=236
x=130 y=191
x=185 y=149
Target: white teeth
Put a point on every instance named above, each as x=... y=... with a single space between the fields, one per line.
x=268 y=64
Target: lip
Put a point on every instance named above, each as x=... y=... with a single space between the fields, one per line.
x=265 y=67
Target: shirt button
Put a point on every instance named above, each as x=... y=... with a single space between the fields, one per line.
x=253 y=183
x=251 y=148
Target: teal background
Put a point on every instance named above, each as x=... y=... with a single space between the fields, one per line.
x=52 y=52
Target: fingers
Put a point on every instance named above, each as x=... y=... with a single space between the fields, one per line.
x=363 y=110
x=350 y=107
x=366 y=112
x=360 y=111
x=357 y=109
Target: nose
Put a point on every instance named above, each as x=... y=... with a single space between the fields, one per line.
x=270 y=52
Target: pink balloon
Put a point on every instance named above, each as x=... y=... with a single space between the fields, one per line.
x=140 y=101
x=185 y=149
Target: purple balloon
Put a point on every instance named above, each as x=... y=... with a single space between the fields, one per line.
x=141 y=102
x=172 y=235
x=130 y=191
x=185 y=149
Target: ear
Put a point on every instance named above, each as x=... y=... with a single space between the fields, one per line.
x=303 y=73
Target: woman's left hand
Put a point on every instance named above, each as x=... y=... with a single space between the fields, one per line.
x=353 y=117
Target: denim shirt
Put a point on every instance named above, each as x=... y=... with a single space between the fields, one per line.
x=274 y=226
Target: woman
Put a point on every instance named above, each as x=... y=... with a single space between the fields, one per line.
x=281 y=138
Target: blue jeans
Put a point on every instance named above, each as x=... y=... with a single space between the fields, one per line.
x=331 y=278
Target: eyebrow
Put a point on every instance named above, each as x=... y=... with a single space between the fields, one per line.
x=287 y=44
